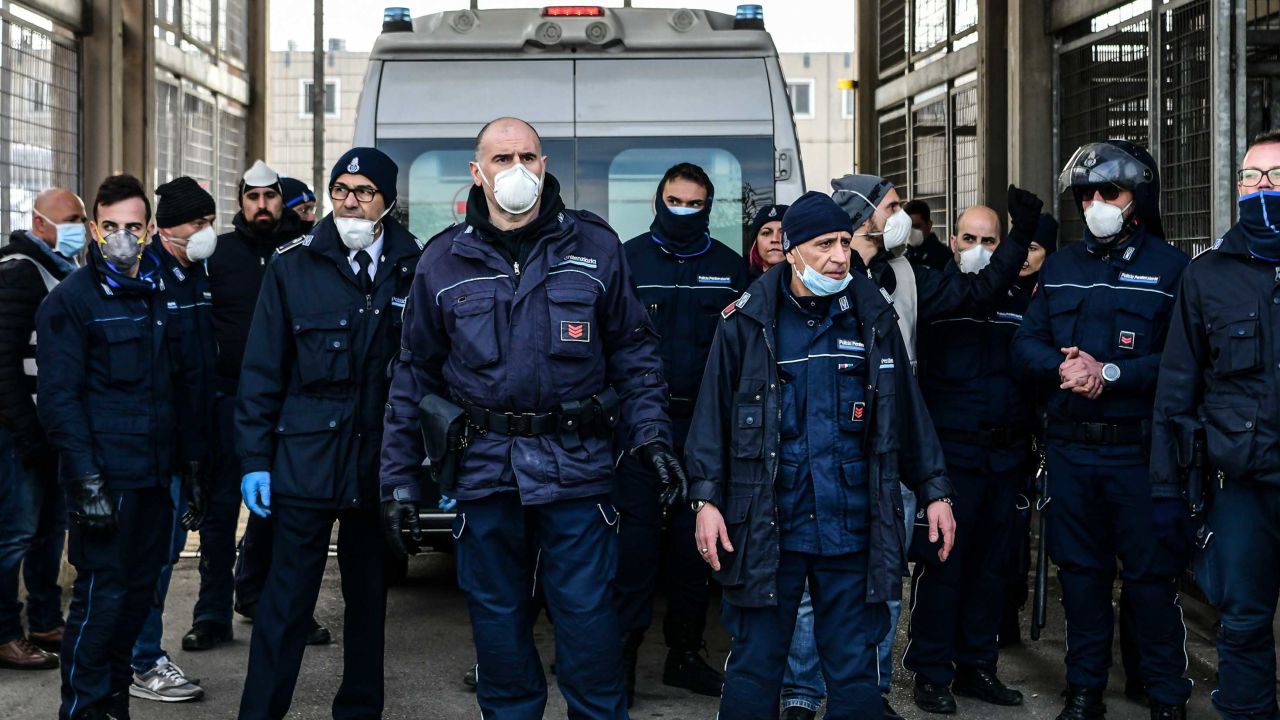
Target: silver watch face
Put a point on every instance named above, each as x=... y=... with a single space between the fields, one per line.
x=1110 y=372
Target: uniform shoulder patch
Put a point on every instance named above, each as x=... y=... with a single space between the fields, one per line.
x=304 y=240
x=735 y=305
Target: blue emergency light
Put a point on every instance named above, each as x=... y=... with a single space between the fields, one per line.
x=749 y=17
x=397 y=19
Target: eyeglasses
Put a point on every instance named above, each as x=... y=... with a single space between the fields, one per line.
x=1106 y=190
x=1250 y=177
x=364 y=193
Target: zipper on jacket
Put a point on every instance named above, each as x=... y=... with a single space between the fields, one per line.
x=515 y=278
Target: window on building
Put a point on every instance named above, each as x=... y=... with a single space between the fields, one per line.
x=198 y=140
x=231 y=164
x=233 y=22
x=929 y=24
x=931 y=155
x=197 y=20
x=966 y=15
x=167 y=132
x=893 y=33
x=801 y=94
x=330 y=99
x=846 y=104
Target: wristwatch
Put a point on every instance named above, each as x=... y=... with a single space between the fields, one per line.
x=1110 y=373
x=697 y=505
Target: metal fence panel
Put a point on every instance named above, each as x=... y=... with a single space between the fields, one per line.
x=39 y=118
x=1185 y=142
x=893 y=33
x=234 y=29
x=198 y=139
x=231 y=164
x=168 y=132
x=965 y=119
x=931 y=155
x=893 y=149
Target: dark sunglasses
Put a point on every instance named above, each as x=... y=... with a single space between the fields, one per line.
x=1107 y=191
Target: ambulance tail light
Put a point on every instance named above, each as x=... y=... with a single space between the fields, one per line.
x=573 y=11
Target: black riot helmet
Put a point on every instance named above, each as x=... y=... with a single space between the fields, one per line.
x=1116 y=164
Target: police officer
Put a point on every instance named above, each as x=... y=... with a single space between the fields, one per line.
x=923 y=245
x=184 y=239
x=235 y=273
x=684 y=277
x=1217 y=380
x=1092 y=339
x=299 y=199
x=108 y=401
x=807 y=417
x=983 y=414
x=309 y=426
x=526 y=318
x=765 y=236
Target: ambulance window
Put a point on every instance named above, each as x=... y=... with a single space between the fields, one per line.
x=439 y=181
x=622 y=176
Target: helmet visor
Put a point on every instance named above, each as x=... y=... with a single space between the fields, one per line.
x=1104 y=164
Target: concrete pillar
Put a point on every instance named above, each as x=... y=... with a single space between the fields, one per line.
x=993 y=103
x=866 y=62
x=118 y=91
x=1030 y=93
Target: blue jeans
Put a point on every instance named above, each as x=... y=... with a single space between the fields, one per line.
x=147 y=651
x=33 y=525
x=803 y=685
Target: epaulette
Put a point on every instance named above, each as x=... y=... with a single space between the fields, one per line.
x=1216 y=244
x=593 y=219
x=735 y=306
x=304 y=240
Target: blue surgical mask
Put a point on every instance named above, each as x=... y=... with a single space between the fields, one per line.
x=820 y=284
x=684 y=210
x=1260 y=223
x=71 y=238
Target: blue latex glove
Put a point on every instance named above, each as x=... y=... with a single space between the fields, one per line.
x=446 y=504
x=256 y=486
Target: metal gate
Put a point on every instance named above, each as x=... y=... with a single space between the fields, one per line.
x=1108 y=71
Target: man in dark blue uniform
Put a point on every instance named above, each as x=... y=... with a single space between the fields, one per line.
x=684 y=277
x=108 y=401
x=525 y=317
x=309 y=429
x=184 y=239
x=984 y=414
x=299 y=199
x=807 y=419
x=1218 y=380
x=1092 y=339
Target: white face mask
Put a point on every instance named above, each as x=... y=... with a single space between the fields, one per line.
x=1104 y=220
x=357 y=233
x=896 y=230
x=516 y=189
x=916 y=238
x=974 y=259
x=201 y=244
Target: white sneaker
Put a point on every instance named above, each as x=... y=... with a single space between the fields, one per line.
x=165 y=683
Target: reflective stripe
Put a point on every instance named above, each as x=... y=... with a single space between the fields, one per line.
x=463 y=282
x=593 y=277
x=1113 y=287
x=686 y=287
x=75 y=651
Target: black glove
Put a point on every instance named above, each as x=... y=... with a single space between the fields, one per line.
x=657 y=456
x=1024 y=208
x=399 y=515
x=90 y=506
x=195 y=490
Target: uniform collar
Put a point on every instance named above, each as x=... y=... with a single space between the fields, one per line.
x=1122 y=254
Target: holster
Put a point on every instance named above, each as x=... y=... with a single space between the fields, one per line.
x=1192 y=462
x=445 y=434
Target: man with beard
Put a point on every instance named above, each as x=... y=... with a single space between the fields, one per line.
x=684 y=277
x=525 y=319
x=235 y=271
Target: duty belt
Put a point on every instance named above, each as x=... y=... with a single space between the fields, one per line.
x=575 y=418
x=1097 y=433
x=986 y=437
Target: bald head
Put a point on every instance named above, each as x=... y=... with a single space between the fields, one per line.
x=507 y=128
x=54 y=207
x=979 y=225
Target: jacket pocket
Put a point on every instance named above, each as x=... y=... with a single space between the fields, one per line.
x=856 y=495
x=123 y=446
x=308 y=455
x=737 y=513
x=1134 y=329
x=1064 y=311
x=1230 y=432
x=126 y=351
x=1234 y=345
x=323 y=342
x=572 y=311
x=475 y=334
x=748 y=424
x=851 y=396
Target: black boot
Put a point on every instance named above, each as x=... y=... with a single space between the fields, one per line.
x=796 y=712
x=630 y=655
x=1136 y=690
x=889 y=712
x=117 y=706
x=934 y=698
x=1168 y=712
x=985 y=686
x=687 y=669
x=1083 y=704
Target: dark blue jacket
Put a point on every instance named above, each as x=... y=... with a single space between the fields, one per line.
x=1116 y=306
x=189 y=304
x=107 y=375
x=684 y=297
x=735 y=439
x=969 y=382
x=570 y=327
x=314 y=379
x=1221 y=369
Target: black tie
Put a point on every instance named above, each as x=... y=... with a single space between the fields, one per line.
x=362 y=275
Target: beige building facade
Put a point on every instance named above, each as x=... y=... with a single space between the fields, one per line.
x=823 y=113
